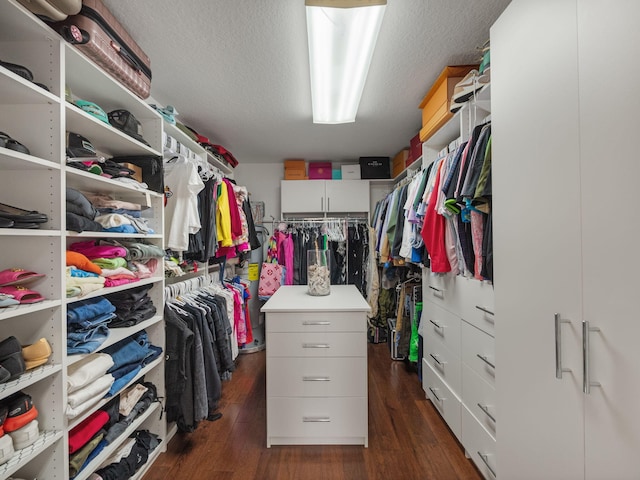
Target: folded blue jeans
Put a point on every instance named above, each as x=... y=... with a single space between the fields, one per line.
x=125 y=352
x=122 y=381
x=87 y=309
x=91 y=323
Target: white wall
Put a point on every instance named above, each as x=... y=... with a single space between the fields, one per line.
x=263 y=182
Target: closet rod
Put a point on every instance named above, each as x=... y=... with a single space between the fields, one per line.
x=323 y=220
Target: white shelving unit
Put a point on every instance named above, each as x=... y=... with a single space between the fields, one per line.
x=39 y=120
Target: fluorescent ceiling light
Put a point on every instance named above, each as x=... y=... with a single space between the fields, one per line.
x=342 y=35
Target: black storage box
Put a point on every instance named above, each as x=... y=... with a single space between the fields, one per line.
x=374 y=167
x=152 y=169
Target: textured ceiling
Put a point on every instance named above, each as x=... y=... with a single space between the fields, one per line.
x=237 y=71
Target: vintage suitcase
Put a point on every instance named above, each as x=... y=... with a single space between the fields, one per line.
x=54 y=10
x=97 y=33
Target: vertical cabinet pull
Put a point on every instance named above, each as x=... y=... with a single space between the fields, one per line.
x=328 y=204
x=485 y=409
x=433 y=391
x=558 y=324
x=485 y=360
x=441 y=364
x=586 y=374
x=485 y=458
x=322 y=204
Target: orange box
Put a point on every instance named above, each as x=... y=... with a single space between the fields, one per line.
x=435 y=104
x=295 y=164
x=399 y=162
x=294 y=174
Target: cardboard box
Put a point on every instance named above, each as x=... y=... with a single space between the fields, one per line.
x=374 y=167
x=296 y=164
x=350 y=172
x=320 y=170
x=399 y=162
x=435 y=104
x=293 y=174
x=138 y=171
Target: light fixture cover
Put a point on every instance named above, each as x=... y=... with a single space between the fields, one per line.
x=341 y=43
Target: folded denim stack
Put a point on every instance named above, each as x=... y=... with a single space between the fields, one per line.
x=87 y=325
x=129 y=357
x=80 y=213
x=88 y=382
x=131 y=456
x=132 y=307
x=18 y=420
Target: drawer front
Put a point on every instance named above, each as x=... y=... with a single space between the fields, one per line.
x=444 y=362
x=440 y=325
x=441 y=290
x=480 y=446
x=478 y=352
x=316 y=417
x=316 y=322
x=316 y=377
x=445 y=401
x=331 y=344
x=479 y=307
x=480 y=398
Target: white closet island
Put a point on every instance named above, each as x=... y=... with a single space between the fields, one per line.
x=316 y=367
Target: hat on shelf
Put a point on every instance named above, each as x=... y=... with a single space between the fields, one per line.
x=79 y=146
x=92 y=109
x=125 y=121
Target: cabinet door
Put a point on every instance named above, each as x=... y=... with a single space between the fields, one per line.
x=608 y=38
x=347 y=196
x=302 y=196
x=537 y=240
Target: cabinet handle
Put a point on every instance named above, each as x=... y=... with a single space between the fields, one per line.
x=437 y=291
x=586 y=374
x=485 y=360
x=316 y=323
x=485 y=458
x=328 y=204
x=485 y=310
x=433 y=391
x=316 y=379
x=441 y=364
x=316 y=419
x=322 y=204
x=485 y=409
x=436 y=325
x=315 y=345
x=558 y=323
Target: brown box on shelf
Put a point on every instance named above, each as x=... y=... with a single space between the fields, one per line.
x=435 y=104
x=137 y=175
x=399 y=162
x=295 y=164
x=293 y=174
x=415 y=150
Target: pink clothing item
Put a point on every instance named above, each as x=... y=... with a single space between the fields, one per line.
x=236 y=223
x=284 y=244
x=114 y=282
x=477 y=235
x=240 y=325
x=119 y=272
x=433 y=233
x=91 y=249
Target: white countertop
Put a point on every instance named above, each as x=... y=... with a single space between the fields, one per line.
x=294 y=298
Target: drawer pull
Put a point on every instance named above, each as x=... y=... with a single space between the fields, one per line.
x=485 y=409
x=586 y=372
x=316 y=419
x=316 y=379
x=486 y=360
x=433 y=391
x=438 y=326
x=441 y=364
x=307 y=322
x=557 y=324
x=485 y=458
x=437 y=291
x=315 y=345
x=485 y=310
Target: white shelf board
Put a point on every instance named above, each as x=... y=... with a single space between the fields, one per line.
x=152 y=458
x=383 y=181
x=119 y=288
x=18 y=24
x=182 y=137
x=71 y=234
x=23 y=456
x=218 y=164
x=17 y=310
x=116 y=335
x=28 y=232
x=113 y=446
x=28 y=378
x=13 y=160
x=483 y=98
x=18 y=91
x=90 y=82
x=447 y=133
x=105 y=138
x=77 y=420
x=81 y=180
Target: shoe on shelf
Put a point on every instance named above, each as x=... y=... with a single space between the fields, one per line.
x=22 y=411
x=7 y=142
x=18 y=276
x=36 y=354
x=22 y=294
x=21 y=215
x=466 y=87
x=6 y=449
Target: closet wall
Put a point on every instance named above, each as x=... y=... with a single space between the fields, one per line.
x=39 y=119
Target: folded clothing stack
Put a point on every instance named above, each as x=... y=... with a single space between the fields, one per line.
x=129 y=357
x=80 y=213
x=130 y=457
x=88 y=382
x=18 y=417
x=87 y=325
x=132 y=306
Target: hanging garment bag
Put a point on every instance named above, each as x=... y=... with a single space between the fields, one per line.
x=97 y=33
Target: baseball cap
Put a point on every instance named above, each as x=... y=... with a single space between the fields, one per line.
x=79 y=146
x=92 y=109
x=125 y=121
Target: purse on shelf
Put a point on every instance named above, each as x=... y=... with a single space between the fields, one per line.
x=271 y=274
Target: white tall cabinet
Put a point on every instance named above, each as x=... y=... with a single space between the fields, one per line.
x=565 y=170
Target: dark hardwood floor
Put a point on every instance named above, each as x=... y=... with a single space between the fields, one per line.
x=408 y=440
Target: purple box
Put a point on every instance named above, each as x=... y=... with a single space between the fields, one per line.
x=319 y=170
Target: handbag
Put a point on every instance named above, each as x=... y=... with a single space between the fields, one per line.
x=271 y=274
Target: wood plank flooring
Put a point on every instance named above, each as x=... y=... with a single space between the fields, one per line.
x=408 y=440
